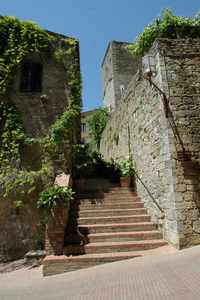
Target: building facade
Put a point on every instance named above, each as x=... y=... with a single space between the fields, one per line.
x=157 y=124
x=118 y=67
x=40 y=93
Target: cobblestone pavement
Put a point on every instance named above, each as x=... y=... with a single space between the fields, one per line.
x=161 y=276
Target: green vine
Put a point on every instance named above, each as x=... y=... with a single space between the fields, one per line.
x=167 y=26
x=16 y=180
x=12 y=134
x=97 y=123
x=18 y=38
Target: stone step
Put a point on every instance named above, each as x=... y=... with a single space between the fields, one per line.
x=108 y=212
x=105 y=194
x=106 y=247
x=124 y=236
x=109 y=197
x=114 y=219
x=95 y=206
x=105 y=200
x=120 y=192
x=59 y=264
x=117 y=236
x=117 y=227
x=120 y=196
x=121 y=189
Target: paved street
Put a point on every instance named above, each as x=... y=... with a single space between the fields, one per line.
x=162 y=276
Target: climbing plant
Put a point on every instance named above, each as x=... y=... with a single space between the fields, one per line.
x=12 y=134
x=166 y=26
x=18 y=39
x=97 y=123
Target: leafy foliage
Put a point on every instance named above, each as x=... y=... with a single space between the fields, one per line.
x=65 y=124
x=126 y=167
x=54 y=196
x=97 y=123
x=11 y=133
x=92 y=165
x=18 y=38
x=166 y=26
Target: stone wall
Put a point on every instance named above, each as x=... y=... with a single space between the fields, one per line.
x=118 y=68
x=181 y=65
x=40 y=110
x=23 y=229
x=139 y=126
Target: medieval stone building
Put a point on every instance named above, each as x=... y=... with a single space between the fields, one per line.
x=40 y=92
x=118 y=67
x=157 y=124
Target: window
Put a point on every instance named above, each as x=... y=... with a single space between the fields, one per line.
x=83 y=127
x=31 y=77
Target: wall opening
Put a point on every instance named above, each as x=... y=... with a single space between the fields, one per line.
x=31 y=77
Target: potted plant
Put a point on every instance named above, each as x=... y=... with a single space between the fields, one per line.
x=126 y=172
x=55 y=202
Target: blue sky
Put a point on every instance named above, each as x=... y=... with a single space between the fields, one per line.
x=95 y=23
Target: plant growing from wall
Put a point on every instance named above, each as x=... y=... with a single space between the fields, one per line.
x=166 y=26
x=97 y=123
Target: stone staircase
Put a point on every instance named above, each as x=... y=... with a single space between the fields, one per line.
x=103 y=228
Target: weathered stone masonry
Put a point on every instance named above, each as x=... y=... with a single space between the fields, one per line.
x=118 y=68
x=23 y=230
x=153 y=146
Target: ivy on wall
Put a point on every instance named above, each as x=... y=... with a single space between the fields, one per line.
x=97 y=123
x=20 y=38
x=166 y=26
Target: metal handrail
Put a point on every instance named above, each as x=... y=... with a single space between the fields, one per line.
x=169 y=116
x=150 y=194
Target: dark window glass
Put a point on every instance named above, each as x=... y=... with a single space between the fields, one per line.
x=31 y=77
x=83 y=127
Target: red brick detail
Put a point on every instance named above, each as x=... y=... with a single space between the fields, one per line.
x=55 y=230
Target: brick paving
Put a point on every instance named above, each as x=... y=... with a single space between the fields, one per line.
x=158 y=276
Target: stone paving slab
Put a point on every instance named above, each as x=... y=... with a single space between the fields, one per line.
x=170 y=276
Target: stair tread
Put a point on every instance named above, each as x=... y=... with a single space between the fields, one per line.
x=111 y=210
x=107 y=234
x=96 y=244
x=117 y=224
x=91 y=206
x=113 y=217
x=110 y=200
